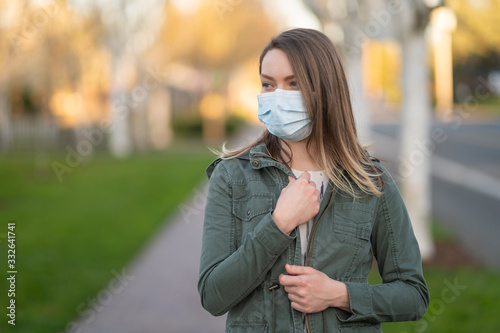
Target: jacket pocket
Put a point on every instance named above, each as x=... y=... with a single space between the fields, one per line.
x=252 y=206
x=352 y=223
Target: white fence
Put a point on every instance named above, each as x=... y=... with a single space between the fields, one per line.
x=30 y=132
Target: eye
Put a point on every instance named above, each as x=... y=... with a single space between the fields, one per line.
x=266 y=85
x=294 y=84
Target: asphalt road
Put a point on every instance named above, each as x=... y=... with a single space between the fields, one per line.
x=465 y=182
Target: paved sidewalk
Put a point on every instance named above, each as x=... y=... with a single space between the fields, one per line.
x=163 y=296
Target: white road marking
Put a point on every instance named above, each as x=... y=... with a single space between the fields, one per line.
x=451 y=171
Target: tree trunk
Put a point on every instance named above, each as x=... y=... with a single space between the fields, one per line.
x=5 y=126
x=120 y=144
x=416 y=146
x=159 y=117
x=359 y=105
x=119 y=140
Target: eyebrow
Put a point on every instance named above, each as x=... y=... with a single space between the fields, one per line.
x=289 y=77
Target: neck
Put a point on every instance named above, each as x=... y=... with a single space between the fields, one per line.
x=301 y=160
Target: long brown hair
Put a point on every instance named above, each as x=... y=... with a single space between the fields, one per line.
x=323 y=84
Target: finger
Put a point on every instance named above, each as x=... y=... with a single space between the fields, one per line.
x=291 y=180
x=291 y=289
x=296 y=291
x=305 y=175
x=287 y=280
x=313 y=184
x=297 y=306
x=294 y=298
x=299 y=270
x=290 y=280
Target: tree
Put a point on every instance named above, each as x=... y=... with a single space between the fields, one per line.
x=345 y=23
x=214 y=39
x=47 y=48
x=127 y=26
x=8 y=47
x=416 y=118
x=475 y=18
x=476 y=43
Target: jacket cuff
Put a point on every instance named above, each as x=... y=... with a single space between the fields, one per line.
x=271 y=237
x=360 y=298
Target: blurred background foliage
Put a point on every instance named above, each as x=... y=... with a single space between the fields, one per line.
x=61 y=60
x=476 y=45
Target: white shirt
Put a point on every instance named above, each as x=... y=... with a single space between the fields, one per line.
x=321 y=181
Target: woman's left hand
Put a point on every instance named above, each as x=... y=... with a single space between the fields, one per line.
x=313 y=291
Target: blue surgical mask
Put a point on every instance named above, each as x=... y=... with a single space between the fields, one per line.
x=284 y=114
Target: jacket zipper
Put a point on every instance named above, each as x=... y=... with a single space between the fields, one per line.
x=311 y=240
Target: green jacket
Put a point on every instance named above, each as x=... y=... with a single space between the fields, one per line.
x=244 y=252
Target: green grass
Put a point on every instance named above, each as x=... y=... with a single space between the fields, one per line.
x=490 y=105
x=441 y=233
x=71 y=235
x=470 y=306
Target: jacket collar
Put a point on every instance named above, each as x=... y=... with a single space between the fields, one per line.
x=259 y=158
x=260 y=154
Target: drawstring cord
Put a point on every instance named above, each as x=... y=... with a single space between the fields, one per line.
x=273 y=289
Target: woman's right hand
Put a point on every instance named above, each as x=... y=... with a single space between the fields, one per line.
x=297 y=204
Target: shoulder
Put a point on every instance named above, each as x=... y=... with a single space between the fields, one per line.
x=238 y=165
x=390 y=189
x=230 y=167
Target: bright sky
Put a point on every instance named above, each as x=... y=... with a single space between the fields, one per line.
x=292 y=13
x=295 y=14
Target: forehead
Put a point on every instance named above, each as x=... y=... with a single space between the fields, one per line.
x=276 y=64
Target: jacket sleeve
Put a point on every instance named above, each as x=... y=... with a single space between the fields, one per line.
x=229 y=275
x=403 y=294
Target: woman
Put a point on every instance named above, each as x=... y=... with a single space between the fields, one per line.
x=292 y=222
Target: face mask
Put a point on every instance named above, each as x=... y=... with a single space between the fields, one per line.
x=284 y=114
